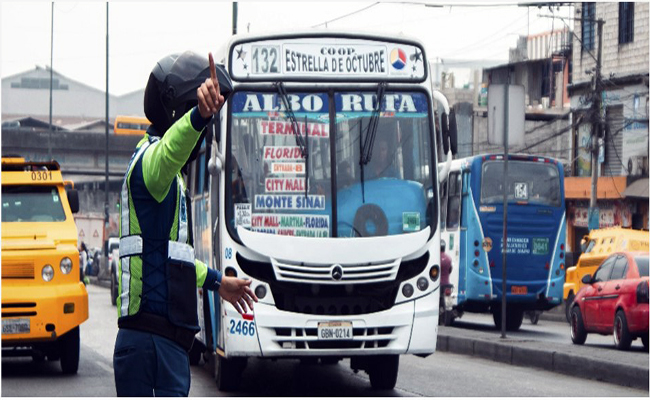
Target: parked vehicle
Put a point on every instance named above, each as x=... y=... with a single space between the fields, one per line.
x=614 y=301
x=113 y=264
x=599 y=244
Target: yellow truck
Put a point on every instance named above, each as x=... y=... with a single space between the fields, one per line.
x=43 y=298
x=596 y=246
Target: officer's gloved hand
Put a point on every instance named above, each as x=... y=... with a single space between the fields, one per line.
x=238 y=292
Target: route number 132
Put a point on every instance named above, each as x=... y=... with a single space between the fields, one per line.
x=265 y=59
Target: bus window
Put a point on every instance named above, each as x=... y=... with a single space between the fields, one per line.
x=443 y=204
x=453 y=203
x=31 y=204
x=529 y=182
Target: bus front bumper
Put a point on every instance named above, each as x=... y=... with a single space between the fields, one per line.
x=407 y=328
x=41 y=313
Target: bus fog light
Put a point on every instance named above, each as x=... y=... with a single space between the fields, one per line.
x=434 y=272
x=407 y=290
x=47 y=273
x=260 y=291
x=66 y=265
x=423 y=284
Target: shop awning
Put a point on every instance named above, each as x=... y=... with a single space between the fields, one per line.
x=609 y=187
x=638 y=188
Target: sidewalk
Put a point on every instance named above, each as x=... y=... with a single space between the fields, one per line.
x=625 y=368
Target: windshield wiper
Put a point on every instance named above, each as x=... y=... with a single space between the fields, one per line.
x=368 y=143
x=300 y=141
x=365 y=151
x=303 y=143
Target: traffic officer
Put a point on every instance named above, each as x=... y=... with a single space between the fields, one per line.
x=157 y=305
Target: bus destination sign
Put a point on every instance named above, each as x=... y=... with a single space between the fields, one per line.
x=327 y=58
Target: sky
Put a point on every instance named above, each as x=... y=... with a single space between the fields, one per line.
x=141 y=33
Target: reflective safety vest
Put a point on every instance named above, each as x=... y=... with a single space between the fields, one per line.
x=157 y=275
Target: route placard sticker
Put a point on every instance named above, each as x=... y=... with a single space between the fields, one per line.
x=282 y=153
x=243 y=212
x=284 y=185
x=291 y=224
x=289 y=202
x=288 y=168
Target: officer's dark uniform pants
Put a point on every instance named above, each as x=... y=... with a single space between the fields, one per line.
x=149 y=365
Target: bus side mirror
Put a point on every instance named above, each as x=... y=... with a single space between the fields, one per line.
x=586 y=279
x=73 y=200
x=583 y=243
x=449 y=132
x=453 y=132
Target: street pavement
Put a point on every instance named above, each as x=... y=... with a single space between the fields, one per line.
x=625 y=368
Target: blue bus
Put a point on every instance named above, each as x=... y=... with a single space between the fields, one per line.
x=472 y=228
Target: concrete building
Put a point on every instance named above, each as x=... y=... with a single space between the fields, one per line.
x=623 y=158
x=74 y=104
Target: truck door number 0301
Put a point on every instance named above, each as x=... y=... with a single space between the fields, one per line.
x=242 y=328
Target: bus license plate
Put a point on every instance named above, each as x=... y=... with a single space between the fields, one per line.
x=519 y=290
x=341 y=330
x=12 y=326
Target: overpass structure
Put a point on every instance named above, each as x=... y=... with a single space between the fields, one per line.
x=82 y=155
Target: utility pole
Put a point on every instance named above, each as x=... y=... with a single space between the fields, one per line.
x=106 y=214
x=596 y=131
x=49 y=139
x=234 y=17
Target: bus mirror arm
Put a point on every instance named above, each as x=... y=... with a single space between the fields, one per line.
x=216 y=162
x=444 y=172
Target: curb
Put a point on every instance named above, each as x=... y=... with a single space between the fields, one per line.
x=528 y=354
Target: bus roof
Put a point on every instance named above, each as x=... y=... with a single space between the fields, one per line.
x=326 y=55
x=459 y=162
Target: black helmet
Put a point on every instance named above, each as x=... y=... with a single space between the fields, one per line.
x=171 y=89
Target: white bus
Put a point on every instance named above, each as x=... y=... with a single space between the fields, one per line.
x=319 y=184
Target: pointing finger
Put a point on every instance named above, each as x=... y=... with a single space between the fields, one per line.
x=213 y=70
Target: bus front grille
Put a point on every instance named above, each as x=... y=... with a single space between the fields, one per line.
x=307 y=339
x=342 y=298
x=323 y=274
x=17 y=269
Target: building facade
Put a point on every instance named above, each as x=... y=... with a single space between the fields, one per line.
x=623 y=115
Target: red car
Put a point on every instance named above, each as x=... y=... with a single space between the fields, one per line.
x=614 y=301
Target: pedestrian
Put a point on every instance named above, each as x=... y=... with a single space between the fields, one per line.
x=83 y=260
x=157 y=305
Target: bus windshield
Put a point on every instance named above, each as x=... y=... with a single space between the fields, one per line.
x=31 y=204
x=273 y=188
x=528 y=182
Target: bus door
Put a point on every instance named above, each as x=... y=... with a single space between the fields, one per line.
x=452 y=218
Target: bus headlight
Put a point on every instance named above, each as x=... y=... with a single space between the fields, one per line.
x=66 y=265
x=422 y=284
x=407 y=290
x=47 y=273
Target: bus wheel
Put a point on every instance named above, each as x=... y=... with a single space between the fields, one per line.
x=567 y=306
x=514 y=318
x=383 y=372
x=195 y=353
x=228 y=372
x=69 y=347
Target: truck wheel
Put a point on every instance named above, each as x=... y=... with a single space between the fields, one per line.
x=622 y=337
x=568 y=304
x=228 y=372
x=383 y=372
x=578 y=331
x=69 y=348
